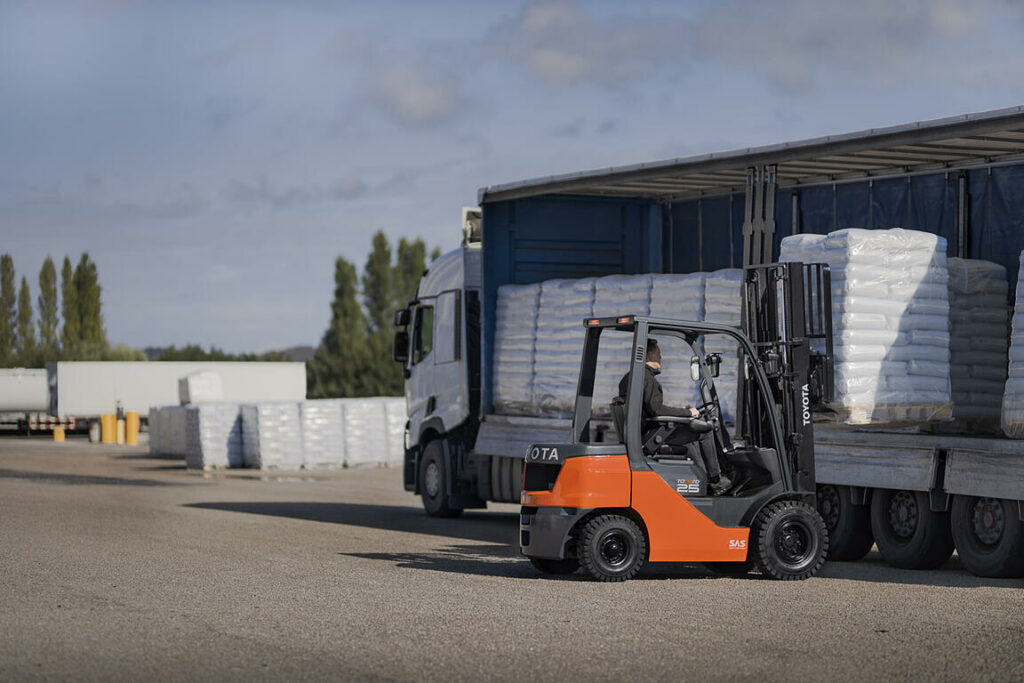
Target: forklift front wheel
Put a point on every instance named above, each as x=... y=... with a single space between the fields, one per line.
x=790 y=540
x=434 y=482
x=611 y=548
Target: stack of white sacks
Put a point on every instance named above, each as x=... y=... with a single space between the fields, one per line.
x=723 y=305
x=1013 y=399
x=680 y=297
x=978 y=338
x=213 y=435
x=890 y=321
x=559 y=343
x=615 y=295
x=272 y=435
x=514 y=337
x=167 y=430
x=204 y=386
x=326 y=433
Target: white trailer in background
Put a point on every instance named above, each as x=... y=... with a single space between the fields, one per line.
x=24 y=400
x=82 y=391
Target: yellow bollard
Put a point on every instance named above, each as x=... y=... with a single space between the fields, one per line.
x=58 y=434
x=108 y=427
x=131 y=420
x=120 y=432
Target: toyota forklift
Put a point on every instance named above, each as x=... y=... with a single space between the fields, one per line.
x=608 y=503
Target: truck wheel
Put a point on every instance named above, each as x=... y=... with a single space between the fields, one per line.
x=789 y=540
x=611 y=548
x=849 y=525
x=988 y=535
x=908 y=533
x=567 y=566
x=434 y=482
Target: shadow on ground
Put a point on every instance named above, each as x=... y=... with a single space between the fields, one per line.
x=79 y=479
x=501 y=557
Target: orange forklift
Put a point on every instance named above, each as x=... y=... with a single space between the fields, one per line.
x=609 y=501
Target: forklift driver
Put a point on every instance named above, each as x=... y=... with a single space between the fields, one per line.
x=682 y=436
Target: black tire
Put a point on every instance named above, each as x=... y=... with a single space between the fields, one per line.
x=434 y=482
x=789 y=541
x=567 y=566
x=988 y=535
x=849 y=526
x=611 y=548
x=908 y=533
x=730 y=568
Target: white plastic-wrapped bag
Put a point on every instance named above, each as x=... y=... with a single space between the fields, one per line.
x=515 y=334
x=559 y=345
x=1013 y=397
x=213 y=436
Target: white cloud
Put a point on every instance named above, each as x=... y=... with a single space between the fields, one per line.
x=415 y=94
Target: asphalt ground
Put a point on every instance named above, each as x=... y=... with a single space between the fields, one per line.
x=119 y=566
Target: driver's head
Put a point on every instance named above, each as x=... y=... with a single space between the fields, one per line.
x=653 y=352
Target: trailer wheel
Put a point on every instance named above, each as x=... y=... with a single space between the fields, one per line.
x=988 y=535
x=849 y=525
x=789 y=540
x=611 y=548
x=909 y=534
x=562 y=567
x=434 y=482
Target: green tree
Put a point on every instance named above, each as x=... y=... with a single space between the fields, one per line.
x=46 y=307
x=377 y=287
x=436 y=254
x=8 y=312
x=25 y=333
x=71 y=334
x=411 y=262
x=87 y=294
x=339 y=366
x=123 y=352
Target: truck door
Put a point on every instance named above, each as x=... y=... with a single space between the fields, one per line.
x=421 y=386
x=449 y=370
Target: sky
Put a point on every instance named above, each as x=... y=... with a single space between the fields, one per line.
x=215 y=158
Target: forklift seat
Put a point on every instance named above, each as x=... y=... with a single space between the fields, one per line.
x=618 y=407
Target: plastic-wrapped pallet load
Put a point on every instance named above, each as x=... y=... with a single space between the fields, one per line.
x=890 y=322
x=323 y=433
x=1013 y=398
x=167 y=431
x=514 y=334
x=213 y=436
x=978 y=339
x=272 y=435
x=680 y=297
x=563 y=306
x=201 y=387
x=366 y=432
x=396 y=419
x=615 y=295
x=723 y=304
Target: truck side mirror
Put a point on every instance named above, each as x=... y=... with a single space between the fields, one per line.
x=695 y=369
x=714 y=362
x=400 y=346
x=402 y=317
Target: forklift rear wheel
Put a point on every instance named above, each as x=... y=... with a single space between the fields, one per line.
x=909 y=534
x=434 y=482
x=789 y=540
x=849 y=525
x=567 y=566
x=611 y=548
x=989 y=536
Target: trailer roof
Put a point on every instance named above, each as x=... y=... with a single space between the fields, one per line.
x=979 y=139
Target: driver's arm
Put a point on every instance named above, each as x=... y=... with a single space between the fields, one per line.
x=656 y=403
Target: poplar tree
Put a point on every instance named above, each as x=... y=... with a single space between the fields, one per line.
x=340 y=364
x=46 y=307
x=71 y=334
x=8 y=312
x=87 y=295
x=25 y=334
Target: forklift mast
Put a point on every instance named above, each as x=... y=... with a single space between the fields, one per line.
x=787 y=315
